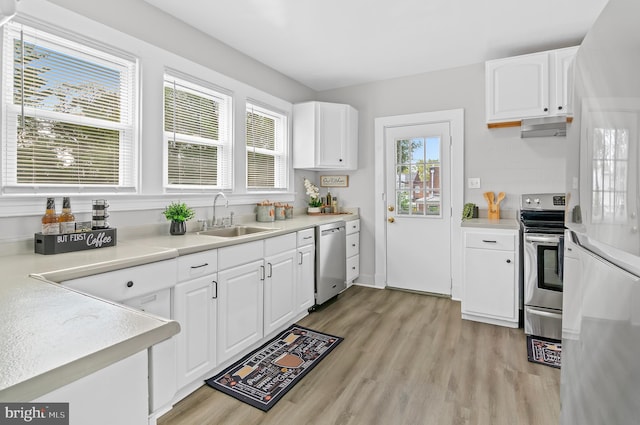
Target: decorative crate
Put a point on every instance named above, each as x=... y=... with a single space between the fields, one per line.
x=69 y=242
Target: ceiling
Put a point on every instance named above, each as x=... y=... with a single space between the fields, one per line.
x=326 y=44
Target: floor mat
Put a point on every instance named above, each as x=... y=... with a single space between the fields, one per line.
x=545 y=351
x=265 y=375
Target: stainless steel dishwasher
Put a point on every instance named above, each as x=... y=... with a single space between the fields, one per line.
x=331 y=267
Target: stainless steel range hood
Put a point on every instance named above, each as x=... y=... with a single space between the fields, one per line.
x=543 y=127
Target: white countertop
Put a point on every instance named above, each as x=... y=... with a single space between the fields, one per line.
x=52 y=335
x=485 y=223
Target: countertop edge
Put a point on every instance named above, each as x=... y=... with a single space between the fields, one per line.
x=53 y=379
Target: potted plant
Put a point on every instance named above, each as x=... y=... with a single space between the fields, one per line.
x=178 y=213
x=470 y=210
x=314 y=197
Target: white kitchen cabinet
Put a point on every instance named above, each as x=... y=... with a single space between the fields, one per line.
x=353 y=250
x=325 y=136
x=528 y=86
x=195 y=308
x=490 y=287
x=240 y=298
x=117 y=394
x=145 y=287
x=305 y=292
x=280 y=282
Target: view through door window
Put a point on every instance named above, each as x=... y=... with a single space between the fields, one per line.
x=418 y=177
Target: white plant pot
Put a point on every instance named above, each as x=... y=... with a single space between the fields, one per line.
x=311 y=210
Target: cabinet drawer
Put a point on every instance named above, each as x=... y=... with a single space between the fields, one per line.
x=503 y=242
x=124 y=284
x=235 y=255
x=278 y=244
x=353 y=267
x=198 y=264
x=353 y=244
x=353 y=226
x=306 y=237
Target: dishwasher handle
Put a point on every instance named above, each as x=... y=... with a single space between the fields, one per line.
x=329 y=232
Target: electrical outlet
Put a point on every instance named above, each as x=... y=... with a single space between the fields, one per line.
x=473 y=183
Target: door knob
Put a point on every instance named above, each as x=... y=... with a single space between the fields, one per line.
x=391 y=208
x=391 y=219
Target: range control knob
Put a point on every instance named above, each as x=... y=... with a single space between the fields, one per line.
x=527 y=201
x=537 y=201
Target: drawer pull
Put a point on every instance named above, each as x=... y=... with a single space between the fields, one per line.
x=509 y=261
x=201 y=265
x=308 y=237
x=488 y=241
x=353 y=268
x=130 y=284
x=353 y=245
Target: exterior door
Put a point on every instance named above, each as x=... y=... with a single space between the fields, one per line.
x=418 y=207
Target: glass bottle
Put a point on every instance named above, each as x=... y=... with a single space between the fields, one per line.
x=49 y=220
x=66 y=219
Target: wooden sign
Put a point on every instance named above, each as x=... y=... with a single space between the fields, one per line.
x=70 y=242
x=334 y=181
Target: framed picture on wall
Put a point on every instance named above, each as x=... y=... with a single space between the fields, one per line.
x=334 y=181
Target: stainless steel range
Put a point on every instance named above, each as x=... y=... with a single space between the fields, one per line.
x=542 y=225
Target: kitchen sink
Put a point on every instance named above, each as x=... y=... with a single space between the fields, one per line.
x=234 y=231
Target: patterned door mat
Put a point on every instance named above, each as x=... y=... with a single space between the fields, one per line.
x=545 y=351
x=265 y=375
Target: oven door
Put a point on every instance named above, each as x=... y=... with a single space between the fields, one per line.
x=543 y=270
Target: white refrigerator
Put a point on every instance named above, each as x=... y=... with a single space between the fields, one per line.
x=600 y=375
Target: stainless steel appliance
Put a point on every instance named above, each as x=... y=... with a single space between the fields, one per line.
x=542 y=223
x=600 y=375
x=331 y=261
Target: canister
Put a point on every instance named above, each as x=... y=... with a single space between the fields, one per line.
x=265 y=213
x=280 y=212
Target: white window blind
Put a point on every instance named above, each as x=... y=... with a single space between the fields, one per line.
x=267 y=160
x=197 y=123
x=70 y=113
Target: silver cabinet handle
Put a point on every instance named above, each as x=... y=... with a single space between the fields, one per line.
x=270 y=269
x=488 y=241
x=201 y=265
x=215 y=285
x=262 y=273
x=301 y=257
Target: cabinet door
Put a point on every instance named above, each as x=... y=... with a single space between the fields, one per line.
x=279 y=290
x=240 y=308
x=517 y=87
x=563 y=59
x=332 y=127
x=306 y=277
x=490 y=283
x=195 y=310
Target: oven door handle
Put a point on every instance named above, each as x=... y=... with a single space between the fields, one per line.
x=548 y=314
x=543 y=239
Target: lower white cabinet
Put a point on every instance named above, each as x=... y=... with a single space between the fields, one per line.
x=353 y=250
x=195 y=308
x=305 y=277
x=279 y=289
x=116 y=394
x=491 y=286
x=240 y=308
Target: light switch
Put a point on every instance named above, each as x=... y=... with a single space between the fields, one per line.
x=473 y=182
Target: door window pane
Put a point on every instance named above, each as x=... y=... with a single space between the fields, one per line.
x=418 y=176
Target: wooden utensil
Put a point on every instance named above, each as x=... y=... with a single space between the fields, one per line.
x=494 y=207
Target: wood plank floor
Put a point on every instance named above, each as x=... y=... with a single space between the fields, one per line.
x=406 y=359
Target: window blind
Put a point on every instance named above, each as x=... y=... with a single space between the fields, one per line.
x=196 y=128
x=70 y=113
x=266 y=148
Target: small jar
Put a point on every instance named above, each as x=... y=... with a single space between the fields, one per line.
x=288 y=212
x=265 y=213
x=280 y=212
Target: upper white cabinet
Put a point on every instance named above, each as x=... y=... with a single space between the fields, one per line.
x=534 y=85
x=325 y=136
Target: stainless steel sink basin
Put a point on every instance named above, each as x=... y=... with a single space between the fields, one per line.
x=234 y=231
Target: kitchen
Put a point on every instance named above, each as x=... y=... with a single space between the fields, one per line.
x=499 y=157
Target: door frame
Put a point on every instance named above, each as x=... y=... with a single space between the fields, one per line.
x=455 y=118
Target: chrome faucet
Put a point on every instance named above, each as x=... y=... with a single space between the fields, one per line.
x=226 y=205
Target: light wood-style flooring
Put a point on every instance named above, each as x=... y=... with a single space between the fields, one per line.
x=406 y=359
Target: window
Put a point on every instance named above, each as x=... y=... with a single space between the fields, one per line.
x=70 y=114
x=267 y=163
x=197 y=123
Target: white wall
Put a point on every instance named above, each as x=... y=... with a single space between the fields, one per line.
x=502 y=160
